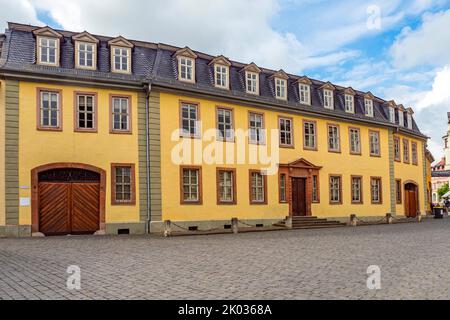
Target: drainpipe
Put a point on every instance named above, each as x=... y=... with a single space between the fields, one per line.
x=148 y=89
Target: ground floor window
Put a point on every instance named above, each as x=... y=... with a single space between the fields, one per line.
x=123 y=184
x=258 y=187
x=376 y=190
x=335 y=189
x=283 y=188
x=315 y=189
x=398 y=191
x=226 y=186
x=357 y=190
x=191 y=182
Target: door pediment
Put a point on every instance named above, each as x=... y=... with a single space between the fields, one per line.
x=301 y=164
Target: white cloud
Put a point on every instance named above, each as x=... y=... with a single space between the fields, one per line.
x=440 y=91
x=18 y=10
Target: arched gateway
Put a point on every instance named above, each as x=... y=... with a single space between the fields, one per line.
x=68 y=198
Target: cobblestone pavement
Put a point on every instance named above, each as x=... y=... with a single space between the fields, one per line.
x=305 y=264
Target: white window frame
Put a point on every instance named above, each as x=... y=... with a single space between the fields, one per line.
x=183 y=63
x=252 y=82
x=305 y=93
x=287 y=134
x=255 y=131
x=281 y=89
x=391 y=115
x=328 y=99
x=368 y=108
x=401 y=118
x=40 y=49
x=79 y=53
x=336 y=139
x=349 y=103
x=121 y=114
x=257 y=188
x=195 y=121
x=410 y=121
x=221 y=76
x=49 y=110
x=113 y=59
x=374 y=144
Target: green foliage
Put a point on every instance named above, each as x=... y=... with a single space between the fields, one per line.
x=443 y=190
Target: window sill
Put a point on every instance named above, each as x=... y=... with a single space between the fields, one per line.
x=56 y=129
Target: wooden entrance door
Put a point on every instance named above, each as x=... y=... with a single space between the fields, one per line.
x=69 y=205
x=299 y=197
x=411 y=198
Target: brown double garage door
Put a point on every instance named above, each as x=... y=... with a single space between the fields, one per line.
x=69 y=203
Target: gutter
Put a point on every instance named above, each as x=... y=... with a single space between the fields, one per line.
x=148 y=90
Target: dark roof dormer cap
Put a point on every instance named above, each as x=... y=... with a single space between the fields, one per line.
x=350 y=91
x=120 y=42
x=85 y=37
x=220 y=60
x=185 y=52
x=369 y=96
x=304 y=80
x=392 y=104
x=251 y=67
x=328 y=86
x=280 y=74
x=410 y=111
x=400 y=107
x=47 y=32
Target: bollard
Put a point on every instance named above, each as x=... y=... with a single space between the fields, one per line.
x=288 y=222
x=353 y=220
x=167 y=228
x=389 y=218
x=235 y=225
x=419 y=217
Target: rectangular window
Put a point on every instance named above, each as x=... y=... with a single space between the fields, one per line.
x=355 y=141
x=405 y=151
x=123 y=184
x=48 y=51
x=328 y=99
x=357 y=190
x=281 y=89
x=258 y=193
x=286 y=132
x=335 y=190
x=398 y=191
x=225 y=131
x=85 y=112
x=315 y=189
x=86 y=55
x=186 y=69
x=410 y=121
x=334 y=144
x=252 y=82
x=374 y=137
x=283 y=198
x=189 y=120
x=121 y=114
x=401 y=118
x=414 y=153
x=121 y=59
x=221 y=75
x=309 y=135
x=256 y=126
x=376 y=192
x=49 y=113
x=368 y=104
x=349 y=103
x=305 y=94
x=391 y=115
x=226 y=186
x=191 y=185
x=397 y=149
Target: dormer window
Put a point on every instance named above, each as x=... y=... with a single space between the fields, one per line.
x=401 y=116
x=120 y=55
x=305 y=93
x=391 y=109
x=349 y=103
x=328 y=99
x=281 y=89
x=410 y=118
x=252 y=82
x=368 y=105
x=186 y=65
x=48 y=46
x=85 y=51
x=221 y=76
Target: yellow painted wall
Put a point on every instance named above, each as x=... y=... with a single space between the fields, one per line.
x=100 y=149
x=410 y=172
x=343 y=164
x=2 y=153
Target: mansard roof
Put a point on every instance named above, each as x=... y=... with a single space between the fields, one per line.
x=156 y=63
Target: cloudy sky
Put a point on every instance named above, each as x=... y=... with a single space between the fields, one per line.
x=396 y=49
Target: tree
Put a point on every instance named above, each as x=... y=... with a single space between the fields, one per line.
x=443 y=190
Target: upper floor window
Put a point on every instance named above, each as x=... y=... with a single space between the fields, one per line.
x=121 y=59
x=120 y=114
x=86 y=107
x=374 y=137
x=334 y=144
x=405 y=151
x=305 y=93
x=349 y=103
x=189 y=120
x=355 y=141
x=225 y=124
x=252 y=82
x=186 y=69
x=397 y=149
x=49 y=111
x=368 y=104
x=414 y=153
x=221 y=76
x=48 y=51
x=309 y=135
x=281 y=88
x=86 y=55
x=256 y=126
x=328 y=99
x=286 y=132
x=391 y=115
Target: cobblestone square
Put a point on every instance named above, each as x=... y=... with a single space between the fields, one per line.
x=305 y=264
